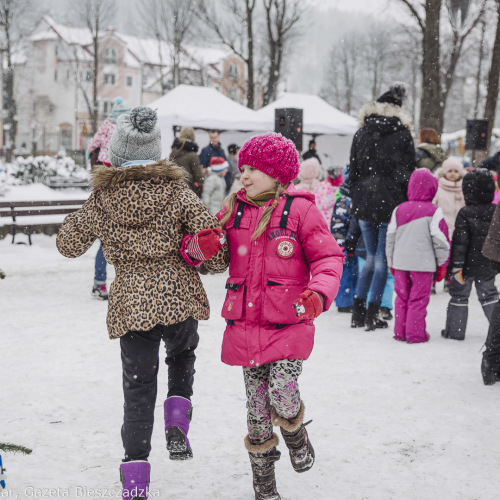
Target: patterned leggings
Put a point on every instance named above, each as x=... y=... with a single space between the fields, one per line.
x=272 y=384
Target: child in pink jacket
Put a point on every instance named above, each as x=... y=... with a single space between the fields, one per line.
x=284 y=271
x=417 y=246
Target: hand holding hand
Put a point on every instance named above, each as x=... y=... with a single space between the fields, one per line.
x=309 y=305
x=441 y=273
x=204 y=245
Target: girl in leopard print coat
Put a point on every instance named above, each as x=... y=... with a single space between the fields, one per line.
x=140 y=209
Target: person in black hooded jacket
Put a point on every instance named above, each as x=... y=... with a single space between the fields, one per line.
x=381 y=162
x=468 y=264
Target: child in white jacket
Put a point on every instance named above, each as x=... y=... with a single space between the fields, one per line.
x=214 y=188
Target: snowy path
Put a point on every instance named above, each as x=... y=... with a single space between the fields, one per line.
x=391 y=421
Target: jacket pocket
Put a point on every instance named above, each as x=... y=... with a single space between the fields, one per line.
x=233 y=304
x=280 y=294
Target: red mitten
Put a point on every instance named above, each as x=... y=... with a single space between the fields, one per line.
x=391 y=270
x=440 y=273
x=204 y=245
x=309 y=304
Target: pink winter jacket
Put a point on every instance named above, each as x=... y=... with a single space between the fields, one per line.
x=324 y=194
x=295 y=253
x=101 y=140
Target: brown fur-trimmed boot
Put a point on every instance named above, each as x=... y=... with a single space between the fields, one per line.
x=262 y=458
x=296 y=438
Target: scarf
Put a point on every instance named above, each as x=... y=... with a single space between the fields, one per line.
x=262 y=198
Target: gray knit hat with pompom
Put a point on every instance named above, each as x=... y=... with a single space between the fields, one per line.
x=136 y=137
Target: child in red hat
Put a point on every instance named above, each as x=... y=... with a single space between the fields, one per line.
x=214 y=188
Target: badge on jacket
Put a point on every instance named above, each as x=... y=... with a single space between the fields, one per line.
x=285 y=249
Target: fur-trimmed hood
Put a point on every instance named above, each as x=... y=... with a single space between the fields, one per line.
x=384 y=117
x=135 y=194
x=105 y=176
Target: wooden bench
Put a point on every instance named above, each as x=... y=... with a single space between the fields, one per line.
x=21 y=209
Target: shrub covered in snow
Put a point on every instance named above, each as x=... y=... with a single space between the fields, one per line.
x=42 y=168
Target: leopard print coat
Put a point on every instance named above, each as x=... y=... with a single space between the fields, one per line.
x=141 y=214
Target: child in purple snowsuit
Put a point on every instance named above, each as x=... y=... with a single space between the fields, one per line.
x=417 y=245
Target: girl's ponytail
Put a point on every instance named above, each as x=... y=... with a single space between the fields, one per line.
x=229 y=204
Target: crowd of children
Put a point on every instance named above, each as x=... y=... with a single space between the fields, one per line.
x=438 y=234
x=289 y=249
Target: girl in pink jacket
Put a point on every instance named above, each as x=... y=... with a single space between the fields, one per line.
x=284 y=270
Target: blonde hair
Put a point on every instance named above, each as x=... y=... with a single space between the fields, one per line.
x=230 y=203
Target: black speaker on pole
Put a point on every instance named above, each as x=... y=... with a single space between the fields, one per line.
x=476 y=136
x=288 y=122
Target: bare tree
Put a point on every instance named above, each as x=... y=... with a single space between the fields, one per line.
x=172 y=21
x=377 y=56
x=493 y=77
x=438 y=72
x=13 y=13
x=96 y=14
x=282 y=17
x=235 y=30
x=480 y=61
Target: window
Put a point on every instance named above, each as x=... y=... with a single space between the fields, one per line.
x=88 y=76
x=110 y=55
x=65 y=138
x=56 y=50
x=55 y=75
x=234 y=72
x=129 y=81
x=233 y=93
x=109 y=78
x=105 y=108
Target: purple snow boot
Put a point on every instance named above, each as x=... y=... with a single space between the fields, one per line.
x=178 y=413
x=135 y=479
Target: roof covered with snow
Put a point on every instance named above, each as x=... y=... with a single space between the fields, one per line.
x=139 y=51
x=49 y=29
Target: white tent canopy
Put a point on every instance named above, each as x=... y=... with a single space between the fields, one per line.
x=318 y=118
x=202 y=108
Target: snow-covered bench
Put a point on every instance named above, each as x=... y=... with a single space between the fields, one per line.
x=31 y=217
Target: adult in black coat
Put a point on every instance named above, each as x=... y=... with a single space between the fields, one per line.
x=381 y=162
x=468 y=264
x=214 y=148
x=492 y=162
x=490 y=364
x=311 y=152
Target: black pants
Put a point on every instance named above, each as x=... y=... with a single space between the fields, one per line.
x=140 y=362
x=458 y=310
x=492 y=352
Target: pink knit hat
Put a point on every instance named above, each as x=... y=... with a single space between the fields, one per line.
x=272 y=154
x=452 y=162
x=310 y=169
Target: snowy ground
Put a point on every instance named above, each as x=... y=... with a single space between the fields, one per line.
x=390 y=420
